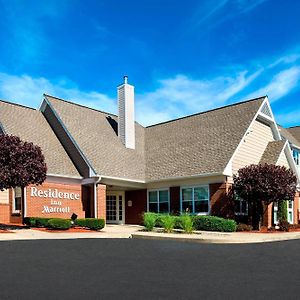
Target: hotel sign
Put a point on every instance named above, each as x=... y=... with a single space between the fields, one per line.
x=56 y=199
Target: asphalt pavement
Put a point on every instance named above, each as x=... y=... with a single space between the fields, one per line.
x=148 y=269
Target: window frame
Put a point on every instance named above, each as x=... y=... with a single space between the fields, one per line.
x=13 y=208
x=158 y=199
x=296 y=157
x=240 y=213
x=193 y=187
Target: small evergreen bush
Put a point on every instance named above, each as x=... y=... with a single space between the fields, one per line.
x=284 y=225
x=30 y=221
x=60 y=224
x=244 y=227
x=91 y=223
x=149 y=220
x=212 y=223
x=36 y=222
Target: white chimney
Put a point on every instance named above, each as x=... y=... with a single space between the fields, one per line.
x=126 y=126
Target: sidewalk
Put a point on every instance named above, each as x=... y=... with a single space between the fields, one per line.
x=219 y=237
x=110 y=231
x=134 y=231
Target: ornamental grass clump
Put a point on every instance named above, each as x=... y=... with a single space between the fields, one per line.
x=168 y=223
x=149 y=221
x=187 y=223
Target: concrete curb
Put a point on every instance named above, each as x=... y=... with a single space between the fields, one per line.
x=251 y=238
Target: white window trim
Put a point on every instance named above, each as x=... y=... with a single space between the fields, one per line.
x=240 y=213
x=14 y=210
x=157 y=191
x=193 y=187
x=298 y=158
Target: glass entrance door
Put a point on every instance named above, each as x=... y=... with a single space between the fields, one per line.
x=115 y=213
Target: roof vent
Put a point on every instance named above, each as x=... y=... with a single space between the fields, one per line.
x=265 y=110
x=126 y=125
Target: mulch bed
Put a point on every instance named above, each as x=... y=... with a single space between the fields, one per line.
x=5 y=231
x=6 y=228
x=266 y=230
x=71 y=230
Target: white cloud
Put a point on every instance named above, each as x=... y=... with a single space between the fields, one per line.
x=289 y=118
x=174 y=97
x=183 y=95
x=280 y=85
x=29 y=90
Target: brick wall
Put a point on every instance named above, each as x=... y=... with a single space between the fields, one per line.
x=297 y=208
x=134 y=213
x=101 y=201
x=220 y=203
x=36 y=205
x=4 y=213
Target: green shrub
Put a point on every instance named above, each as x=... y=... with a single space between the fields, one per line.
x=91 y=223
x=212 y=223
x=30 y=221
x=244 y=227
x=36 y=222
x=186 y=222
x=284 y=225
x=62 y=224
x=149 y=220
x=282 y=210
x=168 y=222
x=42 y=222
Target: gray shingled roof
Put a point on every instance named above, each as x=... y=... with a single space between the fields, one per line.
x=295 y=132
x=92 y=131
x=31 y=126
x=289 y=134
x=272 y=152
x=198 y=144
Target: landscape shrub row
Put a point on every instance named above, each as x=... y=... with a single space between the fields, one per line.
x=64 y=224
x=91 y=223
x=188 y=223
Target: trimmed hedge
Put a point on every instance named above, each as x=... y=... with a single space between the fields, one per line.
x=212 y=223
x=36 y=222
x=62 y=224
x=91 y=223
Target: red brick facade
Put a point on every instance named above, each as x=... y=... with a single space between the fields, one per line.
x=49 y=207
x=220 y=204
x=101 y=201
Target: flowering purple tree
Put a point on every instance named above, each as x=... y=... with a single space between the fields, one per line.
x=264 y=184
x=21 y=163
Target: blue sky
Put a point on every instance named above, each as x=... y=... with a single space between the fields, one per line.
x=182 y=57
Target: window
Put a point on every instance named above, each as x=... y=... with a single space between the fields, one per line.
x=158 y=201
x=240 y=206
x=296 y=156
x=195 y=199
x=17 y=199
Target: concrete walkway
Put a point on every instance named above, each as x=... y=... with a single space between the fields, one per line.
x=134 y=231
x=110 y=231
x=219 y=237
